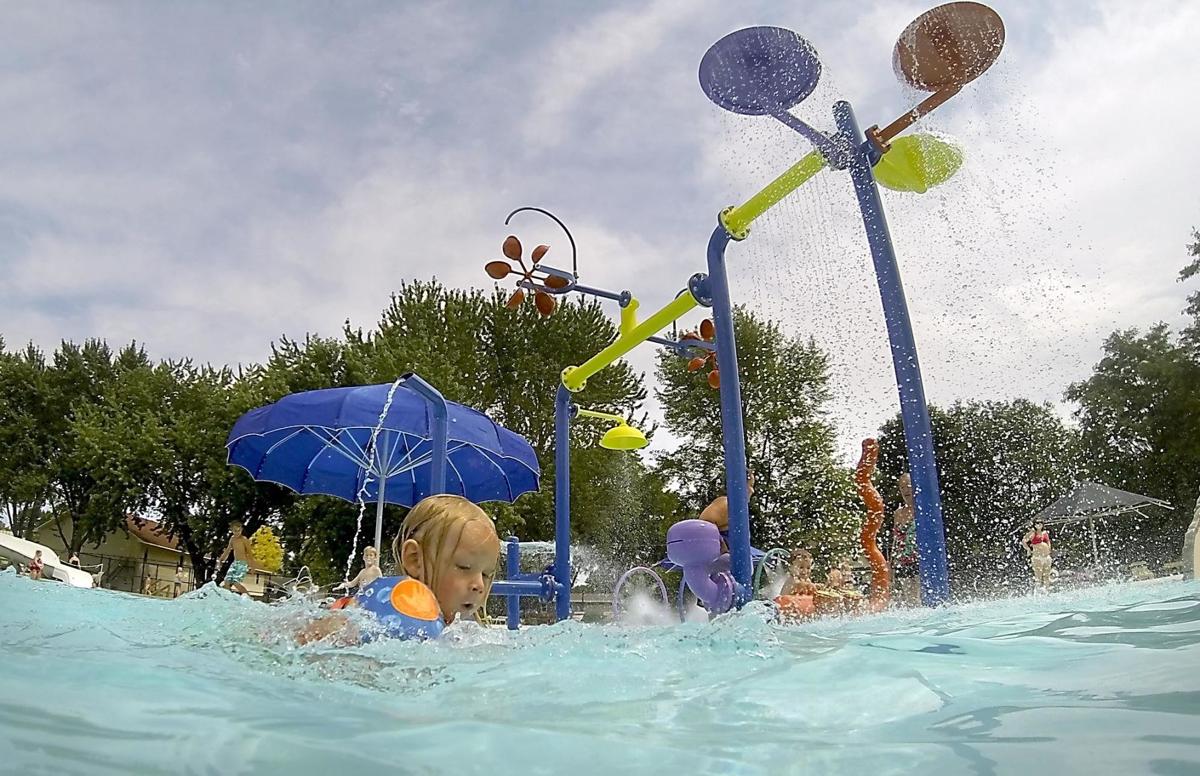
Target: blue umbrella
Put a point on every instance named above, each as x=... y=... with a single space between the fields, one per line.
x=382 y=443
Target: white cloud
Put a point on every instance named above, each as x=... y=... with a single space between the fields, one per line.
x=615 y=44
x=208 y=179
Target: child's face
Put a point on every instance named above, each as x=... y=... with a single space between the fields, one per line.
x=371 y=556
x=235 y=529
x=801 y=566
x=467 y=571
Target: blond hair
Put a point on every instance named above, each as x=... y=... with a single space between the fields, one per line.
x=437 y=524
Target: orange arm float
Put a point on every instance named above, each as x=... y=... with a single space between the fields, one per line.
x=880 y=580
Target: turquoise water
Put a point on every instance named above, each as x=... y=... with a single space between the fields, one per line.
x=1104 y=680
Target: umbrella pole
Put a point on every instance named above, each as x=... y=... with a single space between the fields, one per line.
x=440 y=429
x=379 y=517
x=1095 y=550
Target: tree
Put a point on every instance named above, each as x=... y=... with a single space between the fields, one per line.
x=803 y=496
x=998 y=464
x=634 y=531
x=440 y=334
x=268 y=552
x=1139 y=414
x=527 y=356
x=196 y=491
x=1191 y=335
x=102 y=444
x=24 y=439
x=507 y=363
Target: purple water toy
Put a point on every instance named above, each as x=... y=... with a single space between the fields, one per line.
x=695 y=546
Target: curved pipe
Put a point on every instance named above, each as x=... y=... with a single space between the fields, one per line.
x=880 y=581
x=762 y=564
x=616 y=601
x=547 y=213
x=440 y=431
x=832 y=148
x=914 y=409
x=733 y=432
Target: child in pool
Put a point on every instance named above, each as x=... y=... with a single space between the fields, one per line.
x=800 y=577
x=36 y=565
x=717 y=512
x=370 y=571
x=447 y=544
x=243 y=556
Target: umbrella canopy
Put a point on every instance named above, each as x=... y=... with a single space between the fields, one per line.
x=1090 y=500
x=321 y=442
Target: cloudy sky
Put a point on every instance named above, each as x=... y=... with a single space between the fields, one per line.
x=207 y=177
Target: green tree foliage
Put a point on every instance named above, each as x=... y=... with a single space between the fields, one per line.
x=268 y=552
x=527 y=356
x=88 y=435
x=803 y=496
x=1139 y=414
x=1191 y=335
x=195 y=491
x=24 y=439
x=100 y=420
x=999 y=463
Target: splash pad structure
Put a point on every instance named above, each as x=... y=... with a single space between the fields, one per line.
x=766 y=71
x=769 y=70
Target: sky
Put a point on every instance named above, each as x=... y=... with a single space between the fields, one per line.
x=206 y=178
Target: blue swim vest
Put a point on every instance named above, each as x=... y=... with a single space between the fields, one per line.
x=405 y=607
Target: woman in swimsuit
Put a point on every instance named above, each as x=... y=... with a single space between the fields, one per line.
x=1037 y=544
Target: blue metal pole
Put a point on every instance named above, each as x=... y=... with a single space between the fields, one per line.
x=732 y=427
x=562 y=502
x=931 y=540
x=513 y=570
x=528 y=584
x=441 y=432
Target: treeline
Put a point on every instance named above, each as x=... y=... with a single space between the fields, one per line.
x=1136 y=426
x=89 y=435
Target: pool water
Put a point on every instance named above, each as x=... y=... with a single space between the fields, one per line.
x=1103 y=680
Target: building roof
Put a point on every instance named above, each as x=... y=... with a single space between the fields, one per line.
x=151 y=532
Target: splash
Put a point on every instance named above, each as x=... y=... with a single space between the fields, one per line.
x=371 y=451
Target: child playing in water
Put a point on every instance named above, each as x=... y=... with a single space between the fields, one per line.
x=36 y=565
x=370 y=572
x=447 y=544
x=243 y=555
x=800 y=577
x=847 y=573
x=717 y=512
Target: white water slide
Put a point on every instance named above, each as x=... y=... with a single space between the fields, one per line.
x=22 y=550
